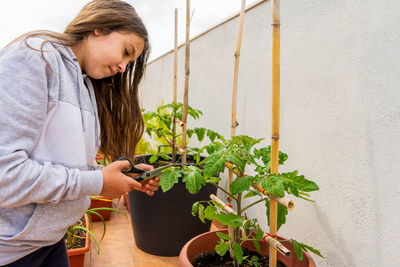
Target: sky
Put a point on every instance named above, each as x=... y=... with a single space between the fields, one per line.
x=20 y=16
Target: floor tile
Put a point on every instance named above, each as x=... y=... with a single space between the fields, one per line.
x=119 y=248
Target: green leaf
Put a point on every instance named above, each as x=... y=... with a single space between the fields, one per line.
x=194 y=113
x=282 y=157
x=281 y=213
x=193 y=179
x=300 y=247
x=265 y=154
x=257 y=245
x=88 y=212
x=273 y=185
x=201 y=213
x=212 y=180
x=200 y=133
x=222 y=248
x=229 y=219
x=252 y=193
x=255 y=260
x=93 y=237
x=213 y=147
x=224 y=236
x=297 y=249
x=238 y=252
x=245 y=141
x=237 y=161
x=260 y=233
x=165 y=156
x=211 y=134
x=210 y=212
x=241 y=184
x=168 y=179
x=189 y=132
x=294 y=183
x=195 y=208
x=214 y=164
x=153 y=159
x=313 y=250
x=281 y=216
x=217 y=204
x=167 y=121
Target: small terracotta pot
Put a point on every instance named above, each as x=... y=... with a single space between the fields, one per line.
x=76 y=256
x=101 y=204
x=208 y=241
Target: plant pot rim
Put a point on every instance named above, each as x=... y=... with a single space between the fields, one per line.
x=184 y=260
x=100 y=197
x=78 y=251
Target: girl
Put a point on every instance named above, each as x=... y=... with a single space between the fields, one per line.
x=64 y=96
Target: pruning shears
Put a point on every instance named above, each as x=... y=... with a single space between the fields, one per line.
x=145 y=175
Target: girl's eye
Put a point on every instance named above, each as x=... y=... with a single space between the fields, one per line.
x=126 y=53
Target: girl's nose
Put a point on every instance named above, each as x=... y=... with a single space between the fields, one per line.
x=121 y=67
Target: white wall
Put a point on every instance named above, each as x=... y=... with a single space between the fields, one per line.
x=340 y=114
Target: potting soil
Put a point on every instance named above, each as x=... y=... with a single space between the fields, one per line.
x=212 y=259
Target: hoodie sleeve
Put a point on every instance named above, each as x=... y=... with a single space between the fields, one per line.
x=23 y=107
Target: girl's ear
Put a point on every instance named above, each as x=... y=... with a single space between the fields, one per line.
x=97 y=32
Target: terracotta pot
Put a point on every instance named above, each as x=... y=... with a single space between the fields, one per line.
x=208 y=241
x=76 y=256
x=101 y=204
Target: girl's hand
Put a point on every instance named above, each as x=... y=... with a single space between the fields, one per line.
x=115 y=183
x=150 y=185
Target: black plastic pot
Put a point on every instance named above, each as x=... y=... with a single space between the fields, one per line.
x=163 y=223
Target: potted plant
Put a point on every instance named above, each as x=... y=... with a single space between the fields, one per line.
x=101 y=202
x=235 y=155
x=77 y=237
x=160 y=222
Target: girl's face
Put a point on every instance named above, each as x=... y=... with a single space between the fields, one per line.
x=105 y=55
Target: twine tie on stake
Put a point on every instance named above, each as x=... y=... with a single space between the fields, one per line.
x=267 y=235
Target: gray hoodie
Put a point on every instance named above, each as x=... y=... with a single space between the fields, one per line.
x=49 y=136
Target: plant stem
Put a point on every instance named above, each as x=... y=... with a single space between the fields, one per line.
x=223 y=190
x=236 y=232
x=252 y=204
x=174 y=135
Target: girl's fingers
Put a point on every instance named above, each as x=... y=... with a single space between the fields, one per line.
x=151 y=187
x=144 y=167
x=136 y=185
x=122 y=164
x=154 y=182
x=149 y=192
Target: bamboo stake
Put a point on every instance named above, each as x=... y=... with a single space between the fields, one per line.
x=176 y=56
x=234 y=122
x=267 y=237
x=288 y=203
x=186 y=92
x=226 y=206
x=275 y=118
x=175 y=84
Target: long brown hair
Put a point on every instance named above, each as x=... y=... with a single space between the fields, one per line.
x=117 y=96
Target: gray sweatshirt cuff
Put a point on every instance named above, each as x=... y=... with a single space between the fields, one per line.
x=91 y=182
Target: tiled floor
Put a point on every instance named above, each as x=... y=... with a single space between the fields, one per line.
x=118 y=246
